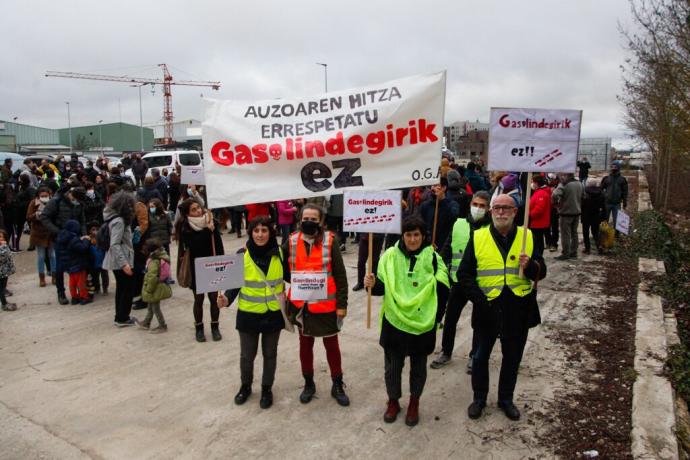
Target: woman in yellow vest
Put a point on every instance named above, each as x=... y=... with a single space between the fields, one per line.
x=414 y=282
x=258 y=307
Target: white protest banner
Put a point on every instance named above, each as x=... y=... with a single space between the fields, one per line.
x=623 y=222
x=308 y=285
x=376 y=137
x=534 y=140
x=375 y=212
x=193 y=175
x=218 y=273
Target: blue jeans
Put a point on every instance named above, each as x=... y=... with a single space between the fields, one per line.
x=41 y=254
x=612 y=208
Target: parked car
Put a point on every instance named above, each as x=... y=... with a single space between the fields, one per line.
x=166 y=160
x=17 y=160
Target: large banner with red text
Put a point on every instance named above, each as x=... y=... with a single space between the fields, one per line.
x=376 y=137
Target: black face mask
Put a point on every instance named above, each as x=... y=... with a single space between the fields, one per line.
x=309 y=227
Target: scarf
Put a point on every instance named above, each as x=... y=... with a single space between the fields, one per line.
x=200 y=223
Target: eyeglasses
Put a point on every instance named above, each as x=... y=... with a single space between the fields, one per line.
x=500 y=208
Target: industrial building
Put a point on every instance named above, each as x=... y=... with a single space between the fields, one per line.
x=109 y=137
x=185 y=133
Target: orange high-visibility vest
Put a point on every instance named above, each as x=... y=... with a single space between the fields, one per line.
x=318 y=260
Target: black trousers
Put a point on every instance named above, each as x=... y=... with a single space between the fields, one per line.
x=552 y=239
x=587 y=227
x=3 y=286
x=539 y=235
x=124 y=293
x=456 y=303
x=363 y=255
x=393 y=367
x=249 y=345
x=512 y=348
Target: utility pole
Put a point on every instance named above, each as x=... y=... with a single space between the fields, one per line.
x=141 y=119
x=325 y=70
x=69 y=127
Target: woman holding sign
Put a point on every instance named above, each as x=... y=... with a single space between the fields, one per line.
x=414 y=282
x=198 y=233
x=318 y=297
x=259 y=307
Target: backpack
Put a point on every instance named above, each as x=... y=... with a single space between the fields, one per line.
x=164 y=274
x=103 y=235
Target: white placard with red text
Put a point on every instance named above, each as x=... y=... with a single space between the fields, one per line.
x=218 y=273
x=376 y=137
x=623 y=222
x=193 y=175
x=375 y=212
x=534 y=140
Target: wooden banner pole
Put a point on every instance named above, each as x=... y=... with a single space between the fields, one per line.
x=370 y=268
x=526 y=219
x=433 y=232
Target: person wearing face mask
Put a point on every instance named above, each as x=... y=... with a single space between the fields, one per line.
x=259 y=307
x=312 y=249
x=61 y=208
x=615 y=189
x=159 y=224
x=539 y=212
x=40 y=236
x=198 y=233
x=502 y=301
x=414 y=283
x=452 y=253
x=93 y=205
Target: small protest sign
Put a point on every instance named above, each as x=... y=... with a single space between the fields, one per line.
x=218 y=273
x=193 y=175
x=375 y=212
x=623 y=222
x=308 y=286
x=534 y=140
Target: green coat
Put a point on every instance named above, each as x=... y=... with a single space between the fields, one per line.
x=153 y=290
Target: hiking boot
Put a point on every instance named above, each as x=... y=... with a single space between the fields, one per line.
x=42 y=280
x=242 y=395
x=309 y=389
x=412 y=416
x=200 y=337
x=441 y=360
x=509 y=409
x=159 y=329
x=266 y=400
x=475 y=410
x=215 y=333
x=392 y=411
x=338 y=391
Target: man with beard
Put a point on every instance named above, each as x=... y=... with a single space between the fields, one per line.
x=452 y=254
x=503 y=304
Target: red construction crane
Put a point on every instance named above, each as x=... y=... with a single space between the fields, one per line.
x=167 y=81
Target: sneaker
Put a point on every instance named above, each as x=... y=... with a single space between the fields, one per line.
x=441 y=360
x=145 y=326
x=74 y=301
x=85 y=301
x=132 y=321
x=159 y=329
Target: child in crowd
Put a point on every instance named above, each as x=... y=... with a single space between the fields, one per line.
x=99 y=277
x=6 y=269
x=156 y=284
x=76 y=260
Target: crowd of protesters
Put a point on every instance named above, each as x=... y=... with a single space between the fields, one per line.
x=87 y=218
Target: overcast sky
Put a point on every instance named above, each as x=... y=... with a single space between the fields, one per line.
x=552 y=54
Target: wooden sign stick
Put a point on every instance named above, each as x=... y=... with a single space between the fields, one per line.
x=526 y=219
x=370 y=268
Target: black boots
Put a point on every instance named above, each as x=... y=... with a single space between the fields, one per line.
x=476 y=408
x=200 y=337
x=309 y=389
x=215 y=332
x=338 y=391
x=266 y=400
x=242 y=395
x=62 y=299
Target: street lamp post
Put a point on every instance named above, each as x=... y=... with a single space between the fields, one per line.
x=69 y=127
x=325 y=70
x=141 y=119
x=100 y=139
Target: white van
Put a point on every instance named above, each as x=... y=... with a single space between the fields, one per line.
x=167 y=159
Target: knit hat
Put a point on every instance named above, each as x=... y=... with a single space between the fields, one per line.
x=509 y=183
x=453 y=180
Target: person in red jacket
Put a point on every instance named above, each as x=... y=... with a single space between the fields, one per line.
x=539 y=212
x=258 y=209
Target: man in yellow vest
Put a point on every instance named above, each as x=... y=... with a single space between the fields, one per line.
x=452 y=252
x=503 y=304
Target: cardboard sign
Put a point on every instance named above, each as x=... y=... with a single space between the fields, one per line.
x=218 y=273
x=376 y=212
x=308 y=286
x=377 y=137
x=193 y=175
x=534 y=140
x=623 y=222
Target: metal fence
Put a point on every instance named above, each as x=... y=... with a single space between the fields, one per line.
x=597 y=150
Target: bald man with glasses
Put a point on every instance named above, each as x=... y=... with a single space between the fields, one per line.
x=504 y=304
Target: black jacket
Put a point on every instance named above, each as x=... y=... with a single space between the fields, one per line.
x=58 y=211
x=593 y=209
x=615 y=189
x=508 y=313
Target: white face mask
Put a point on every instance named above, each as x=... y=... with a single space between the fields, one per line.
x=477 y=213
x=44 y=199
